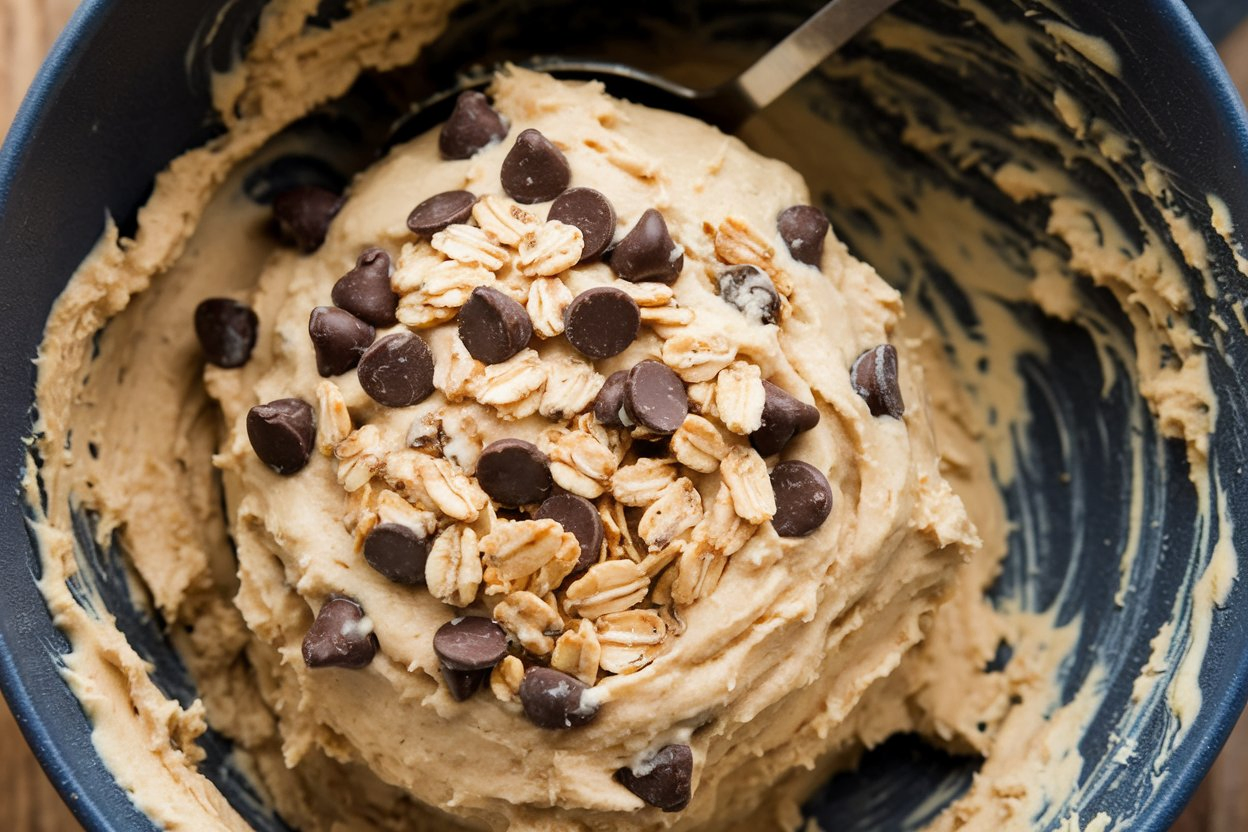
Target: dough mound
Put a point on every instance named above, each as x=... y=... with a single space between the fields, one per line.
x=759 y=671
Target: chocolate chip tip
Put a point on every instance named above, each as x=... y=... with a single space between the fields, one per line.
x=303 y=215
x=493 y=326
x=440 y=210
x=227 y=331
x=665 y=780
x=473 y=126
x=339 y=637
x=803 y=498
x=282 y=433
x=365 y=290
x=602 y=322
x=655 y=397
x=647 y=253
x=470 y=643
x=514 y=473
x=397 y=371
x=339 y=339
x=591 y=212
x=534 y=170
x=804 y=229
x=398 y=553
x=876 y=379
x=555 y=700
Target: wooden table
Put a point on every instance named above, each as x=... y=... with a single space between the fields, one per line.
x=28 y=802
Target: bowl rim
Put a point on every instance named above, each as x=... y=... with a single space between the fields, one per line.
x=67 y=774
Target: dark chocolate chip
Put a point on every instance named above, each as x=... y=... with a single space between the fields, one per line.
x=338 y=637
x=462 y=684
x=783 y=418
x=602 y=322
x=439 y=211
x=493 y=326
x=397 y=371
x=610 y=400
x=654 y=397
x=803 y=498
x=470 y=643
x=282 y=434
x=750 y=291
x=535 y=170
x=514 y=473
x=338 y=338
x=398 y=552
x=589 y=211
x=665 y=780
x=303 y=215
x=648 y=252
x=874 y=376
x=365 y=290
x=553 y=699
x=803 y=229
x=578 y=516
x=226 y=330
x=473 y=125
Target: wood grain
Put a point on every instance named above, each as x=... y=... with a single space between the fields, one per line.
x=28 y=803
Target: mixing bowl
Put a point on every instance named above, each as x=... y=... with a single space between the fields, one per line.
x=1115 y=535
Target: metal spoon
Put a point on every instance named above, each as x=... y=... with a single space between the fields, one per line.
x=727 y=106
x=730 y=104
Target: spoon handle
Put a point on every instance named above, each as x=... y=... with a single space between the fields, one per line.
x=805 y=48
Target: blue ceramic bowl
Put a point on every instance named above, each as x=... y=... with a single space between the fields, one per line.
x=118 y=99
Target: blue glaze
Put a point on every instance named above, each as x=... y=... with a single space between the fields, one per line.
x=104 y=117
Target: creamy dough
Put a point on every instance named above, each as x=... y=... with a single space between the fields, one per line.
x=807 y=652
x=770 y=667
x=797 y=629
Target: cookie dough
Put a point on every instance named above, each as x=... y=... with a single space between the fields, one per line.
x=412 y=400
x=697 y=626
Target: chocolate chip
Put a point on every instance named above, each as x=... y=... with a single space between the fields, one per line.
x=514 y=473
x=589 y=211
x=493 y=326
x=803 y=498
x=226 y=330
x=473 y=125
x=338 y=338
x=579 y=517
x=397 y=552
x=553 y=699
x=874 y=376
x=610 y=400
x=462 y=684
x=339 y=637
x=803 y=229
x=397 y=371
x=751 y=292
x=602 y=322
x=439 y=211
x=282 y=434
x=303 y=215
x=648 y=253
x=665 y=780
x=535 y=170
x=365 y=290
x=470 y=643
x=654 y=397
x=783 y=418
